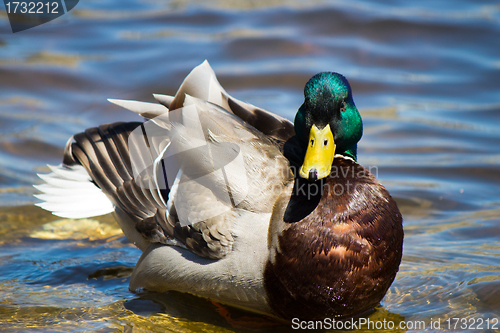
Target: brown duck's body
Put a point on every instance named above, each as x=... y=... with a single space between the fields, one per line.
x=340 y=259
x=232 y=221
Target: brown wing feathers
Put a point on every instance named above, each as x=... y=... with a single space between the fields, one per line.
x=104 y=152
x=266 y=122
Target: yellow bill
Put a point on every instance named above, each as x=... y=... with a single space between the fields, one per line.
x=319 y=155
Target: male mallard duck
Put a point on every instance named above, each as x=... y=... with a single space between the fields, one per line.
x=238 y=205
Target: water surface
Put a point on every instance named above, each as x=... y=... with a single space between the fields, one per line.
x=425 y=76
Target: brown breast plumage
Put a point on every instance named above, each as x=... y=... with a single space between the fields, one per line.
x=337 y=251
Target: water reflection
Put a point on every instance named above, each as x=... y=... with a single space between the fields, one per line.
x=425 y=77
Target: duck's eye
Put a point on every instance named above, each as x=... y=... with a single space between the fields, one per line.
x=325 y=142
x=312 y=142
x=342 y=107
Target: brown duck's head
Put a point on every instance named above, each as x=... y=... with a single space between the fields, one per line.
x=327 y=123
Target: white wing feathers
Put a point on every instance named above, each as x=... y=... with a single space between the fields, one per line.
x=68 y=192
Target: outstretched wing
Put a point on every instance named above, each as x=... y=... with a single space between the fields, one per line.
x=184 y=185
x=183 y=177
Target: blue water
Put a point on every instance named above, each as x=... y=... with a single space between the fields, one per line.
x=425 y=76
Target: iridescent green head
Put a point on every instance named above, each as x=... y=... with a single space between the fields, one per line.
x=328 y=123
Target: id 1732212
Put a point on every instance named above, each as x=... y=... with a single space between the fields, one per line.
x=38 y=7
x=471 y=324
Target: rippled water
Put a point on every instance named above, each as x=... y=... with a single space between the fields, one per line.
x=425 y=76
